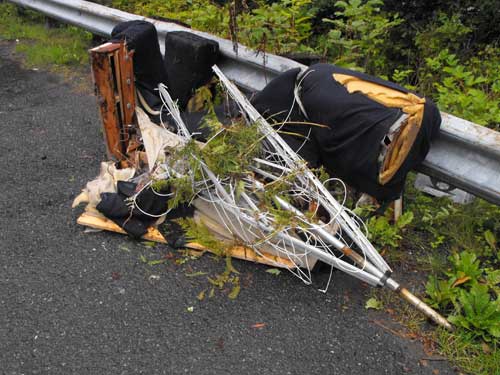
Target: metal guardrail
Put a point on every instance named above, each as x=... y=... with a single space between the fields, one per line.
x=465 y=155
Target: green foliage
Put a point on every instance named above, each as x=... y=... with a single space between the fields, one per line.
x=228 y=153
x=471 y=356
x=273 y=271
x=382 y=233
x=447 y=32
x=230 y=150
x=199 y=14
x=473 y=227
x=373 y=303
x=492 y=280
x=280 y=27
x=403 y=77
x=467 y=293
x=322 y=174
x=359 y=37
x=465 y=271
x=466 y=92
x=434 y=54
x=182 y=188
x=440 y=292
x=160 y=186
x=470 y=233
x=464 y=266
x=42 y=46
x=490 y=239
x=462 y=84
x=478 y=314
x=198 y=232
x=433 y=219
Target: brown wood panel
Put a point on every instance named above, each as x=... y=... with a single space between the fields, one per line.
x=127 y=85
x=102 y=223
x=153 y=234
x=105 y=91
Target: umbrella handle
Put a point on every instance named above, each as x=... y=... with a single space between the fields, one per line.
x=425 y=308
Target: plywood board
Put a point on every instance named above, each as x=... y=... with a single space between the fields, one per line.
x=153 y=234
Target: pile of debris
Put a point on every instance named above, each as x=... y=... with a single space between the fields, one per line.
x=252 y=172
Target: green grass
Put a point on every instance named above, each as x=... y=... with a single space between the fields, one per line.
x=43 y=46
x=472 y=357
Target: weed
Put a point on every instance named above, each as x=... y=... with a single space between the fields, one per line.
x=199 y=233
x=467 y=294
x=231 y=150
x=384 y=234
x=43 y=47
x=440 y=292
x=467 y=93
x=473 y=357
x=199 y=14
x=373 y=303
x=280 y=27
x=478 y=314
x=359 y=37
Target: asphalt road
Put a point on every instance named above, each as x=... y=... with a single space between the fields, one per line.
x=84 y=303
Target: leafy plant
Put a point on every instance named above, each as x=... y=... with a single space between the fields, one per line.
x=359 y=37
x=446 y=32
x=465 y=270
x=273 y=271
x=492 y=280
x=466 y=93
x=404 y=77
x=383 y=233
x=450 y=226
x=373 y=303
x=230 y=150
x=441 y=293
x=480 y=314
x=199 y=14
x=280 y=27
x=467 y=293
x=465 y=267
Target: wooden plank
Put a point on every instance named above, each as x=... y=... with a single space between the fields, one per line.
x=115 y=57
x=103 y=223
x=127 y=86
x=105 y=91
x=106 y=47
x=153 y=234
x=245 y=253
